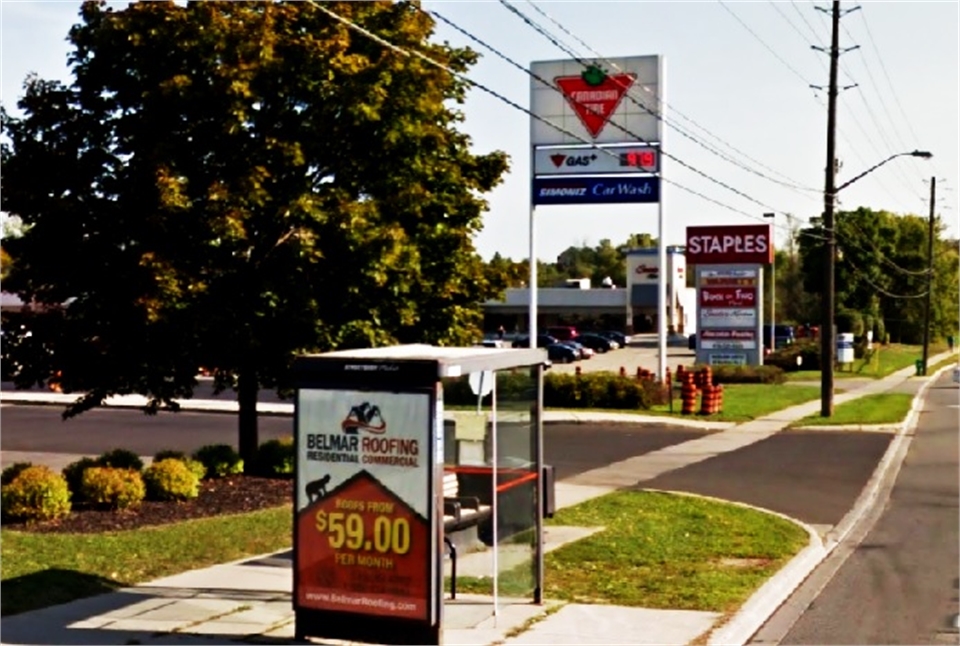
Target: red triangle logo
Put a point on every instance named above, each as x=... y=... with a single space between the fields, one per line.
x=595 y=104
x=557 y=159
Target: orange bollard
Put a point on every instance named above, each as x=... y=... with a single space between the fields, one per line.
x=578 y=371
x=640 y=372
x=719 y=399
x=706 y=401
x=688 y=395
x=623 y=371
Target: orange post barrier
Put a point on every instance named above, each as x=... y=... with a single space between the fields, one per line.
x=719 y=399
x=688 y=394
x=623 y=371
x=578 y=371
x=706 y=400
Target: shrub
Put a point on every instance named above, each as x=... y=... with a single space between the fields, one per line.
x=276 y=458
x=512 y=385
x=12 y=471
x=73 y=474
x=166 y=454
x=170 y=479
x=121 y=459
x=112 y=488
x=600 y=390
x=768 y=374
x=196 y=467
x=219 y=459
x=786 y=358
x=36 y=493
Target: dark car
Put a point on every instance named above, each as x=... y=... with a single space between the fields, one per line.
x=595 y=342
x=692 y=341
x=560 y=353
x=543 y=341
x=619 y=337
x=784 y=335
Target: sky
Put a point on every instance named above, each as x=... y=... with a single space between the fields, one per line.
x=737 y=80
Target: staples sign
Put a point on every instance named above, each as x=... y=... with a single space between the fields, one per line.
x=747 y=244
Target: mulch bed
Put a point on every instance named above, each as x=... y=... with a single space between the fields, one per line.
x=231 y=495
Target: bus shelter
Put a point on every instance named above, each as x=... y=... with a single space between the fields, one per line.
x=410 y=459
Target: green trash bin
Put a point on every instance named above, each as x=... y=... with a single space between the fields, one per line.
x=919 y=366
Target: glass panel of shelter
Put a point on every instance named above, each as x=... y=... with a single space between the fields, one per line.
x=489 y=459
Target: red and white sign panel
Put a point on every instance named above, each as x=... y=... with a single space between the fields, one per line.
x=616 y=102
x=594 y=161
x=726 y=245
x=728 y=296
x=727 y=317
x=728 y=335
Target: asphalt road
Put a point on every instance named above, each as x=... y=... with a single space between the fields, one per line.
x=813 y=476
x=900 y=585
x=572 y=448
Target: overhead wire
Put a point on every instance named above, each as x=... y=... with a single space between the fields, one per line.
x=462 y=77
x=658 y=113
x=663 y=153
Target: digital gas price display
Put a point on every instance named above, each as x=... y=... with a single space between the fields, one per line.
x=643 y=159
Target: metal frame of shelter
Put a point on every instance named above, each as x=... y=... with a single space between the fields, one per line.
x=332 y=596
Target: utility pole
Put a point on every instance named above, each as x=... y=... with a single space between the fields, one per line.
x=829 y=200
x=926 y=306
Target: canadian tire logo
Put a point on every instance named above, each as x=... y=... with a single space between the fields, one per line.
x=595 y=96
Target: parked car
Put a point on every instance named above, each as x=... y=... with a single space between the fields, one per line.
x=493 y=343
x=692 y=341
x=543 y=340
x=596 y=342
x=784 y=335
x=619 y=337
x=562 y=332
x=561 y=353
x=583 y=351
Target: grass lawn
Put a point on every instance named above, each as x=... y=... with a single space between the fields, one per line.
x=660 y=550
x=41 y=570
x=884 y=361
x=744 y=402
x=882 y=408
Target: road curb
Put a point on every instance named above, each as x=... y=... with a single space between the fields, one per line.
x=769 y=596
x=766 y=601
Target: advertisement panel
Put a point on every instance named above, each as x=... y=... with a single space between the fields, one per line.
x=727 y=359
x=723 y=245
x=728 y=340
x=615 y=103
x=716 y=317
x=728 y=296
x=595 y=190
x=363 y=503
x=591 y=161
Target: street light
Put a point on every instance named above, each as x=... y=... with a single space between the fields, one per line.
x=826 y=323
x=773 y=293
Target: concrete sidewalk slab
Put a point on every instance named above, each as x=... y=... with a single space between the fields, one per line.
x=587 y=624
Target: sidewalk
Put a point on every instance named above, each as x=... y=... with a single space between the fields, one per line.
x=249 y=601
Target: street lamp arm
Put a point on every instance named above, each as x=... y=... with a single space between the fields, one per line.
x=915 y=153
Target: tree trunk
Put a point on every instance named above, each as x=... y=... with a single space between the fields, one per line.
x=248 y=440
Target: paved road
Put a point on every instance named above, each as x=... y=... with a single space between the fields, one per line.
x=813 y=476
x=572 y=448
x=900 y=585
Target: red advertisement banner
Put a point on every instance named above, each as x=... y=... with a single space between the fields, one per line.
x=362 y=549
x=728 y=296
x=723 y=245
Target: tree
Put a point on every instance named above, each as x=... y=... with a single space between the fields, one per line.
x=227 y=184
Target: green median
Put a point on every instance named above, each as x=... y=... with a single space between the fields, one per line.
x=745 y=402
x=882 y=408
x=44 y=569
x=659 y=550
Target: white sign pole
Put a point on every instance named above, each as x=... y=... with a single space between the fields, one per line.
x=532 y=287
x=662 y=252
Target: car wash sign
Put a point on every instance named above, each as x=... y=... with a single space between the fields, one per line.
x=728 y=262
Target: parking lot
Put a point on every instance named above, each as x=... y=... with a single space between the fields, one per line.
x=641 y=353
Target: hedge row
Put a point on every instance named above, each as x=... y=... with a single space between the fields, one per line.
x=560 y=390
x=118 y=480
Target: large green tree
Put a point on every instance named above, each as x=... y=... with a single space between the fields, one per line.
x=226 y=184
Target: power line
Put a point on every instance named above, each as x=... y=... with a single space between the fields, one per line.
x=408 y=53
x=634 y=135
x=879 y=289
x=790 y=183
